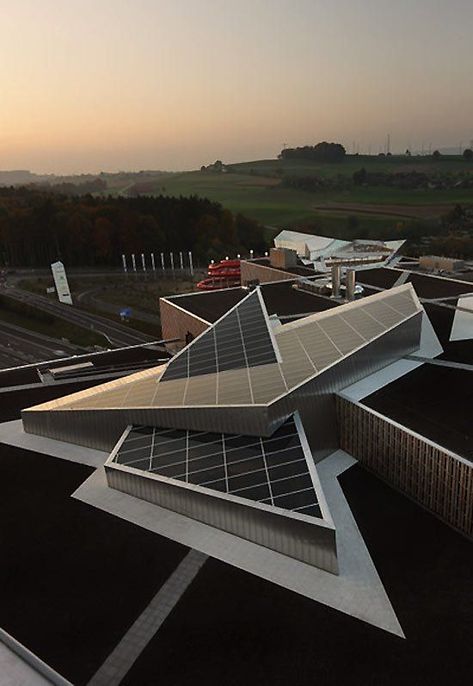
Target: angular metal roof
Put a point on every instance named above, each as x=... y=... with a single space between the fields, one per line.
x=318 y=248
x=243 y=360
x=241 y=338
x=273 y=471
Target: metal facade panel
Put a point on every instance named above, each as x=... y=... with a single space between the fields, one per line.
x=101 y=429
x=322 y=339
x=234 y=388
x=201 y=390
x=315 y=399
x=232 y=408
x=312 y=543
x=266 y=380
x=170 y=395
x=362 y=321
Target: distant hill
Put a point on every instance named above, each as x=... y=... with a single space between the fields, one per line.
x=328 y=199
x=24 y=177
x=19 y=177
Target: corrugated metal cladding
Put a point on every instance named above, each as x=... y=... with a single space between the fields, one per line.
x=101 y=428
x=235 y=362
x=315 y=399
x=296 y=536
x=432 y=476
x=254 y=400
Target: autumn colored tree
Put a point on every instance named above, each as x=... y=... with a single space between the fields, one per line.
x=39 y=226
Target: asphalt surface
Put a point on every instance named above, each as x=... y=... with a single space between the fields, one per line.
x=21 y=346
x=89 y=297
x=116 y=334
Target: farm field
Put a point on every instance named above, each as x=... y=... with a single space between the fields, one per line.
x=255 y=189
x=372 y=163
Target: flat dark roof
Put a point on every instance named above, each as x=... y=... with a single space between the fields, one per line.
x=437 y=287
x=435 y=402
x=280 y=298
x=382 y=277
x=104 y=361
x=74 y=577
x=241 y=629
x=299 y=270
x=210 y=305
x=426 y=286
x=283 y=300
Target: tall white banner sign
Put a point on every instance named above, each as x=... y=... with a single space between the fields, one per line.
x=60 y=281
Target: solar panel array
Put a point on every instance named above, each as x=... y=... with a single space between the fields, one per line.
x=268 y=470
x=234 y=362
x=238 y=341
x=311 y=345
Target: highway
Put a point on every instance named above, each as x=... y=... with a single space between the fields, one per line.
x=117 y=334
x=20 y=346
x=89 y=297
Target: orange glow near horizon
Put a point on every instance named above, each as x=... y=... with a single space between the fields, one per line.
x=162 y=84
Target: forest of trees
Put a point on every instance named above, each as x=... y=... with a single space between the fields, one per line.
x=37 y=228
x=322 y=152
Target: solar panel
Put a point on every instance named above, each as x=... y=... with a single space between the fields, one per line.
x=235 y=362
x=239 y=340
x=310 y=345
x=270 y=470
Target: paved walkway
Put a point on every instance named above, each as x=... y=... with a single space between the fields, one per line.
x=16 y=672
x=20 y=667
x=142 y=631
x=402 y=279
x=442 y=363
x=11 y=433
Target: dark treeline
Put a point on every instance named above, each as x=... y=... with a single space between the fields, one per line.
x=313 y=183
x=322 y=152
x=414 y=179
x=410 y=180
x=37 y=227
x=452 y=235
x=96 y=185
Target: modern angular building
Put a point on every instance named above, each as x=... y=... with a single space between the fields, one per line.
x=230 y=431
x=247 y=455
x=324 y=251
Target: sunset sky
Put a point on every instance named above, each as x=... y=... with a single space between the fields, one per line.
x=92 y=85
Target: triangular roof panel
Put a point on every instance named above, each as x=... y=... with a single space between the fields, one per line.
x=239 y=340
x=274 y=471
x=252 y=363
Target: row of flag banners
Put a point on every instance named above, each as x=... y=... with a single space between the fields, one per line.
x=163 y=262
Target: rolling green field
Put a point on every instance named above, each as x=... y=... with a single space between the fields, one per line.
x=255 y=189
x=372 y=163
